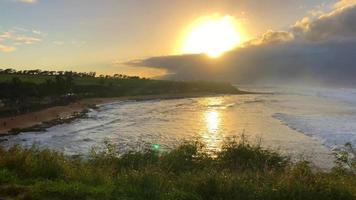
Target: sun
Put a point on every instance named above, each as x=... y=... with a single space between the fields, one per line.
x=212 y=35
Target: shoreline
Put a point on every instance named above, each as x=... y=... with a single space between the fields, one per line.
x=275 y=134
x=48 y=117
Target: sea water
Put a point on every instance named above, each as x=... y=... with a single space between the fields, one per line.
x=299 y=122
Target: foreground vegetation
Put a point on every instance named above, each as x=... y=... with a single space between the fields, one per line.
x=239 y=171
x=25 y=91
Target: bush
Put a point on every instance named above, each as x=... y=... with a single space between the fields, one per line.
x=239 y=171
x=187 y=157
x=240 y=155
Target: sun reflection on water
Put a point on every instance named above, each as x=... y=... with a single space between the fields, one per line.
x=212 y=120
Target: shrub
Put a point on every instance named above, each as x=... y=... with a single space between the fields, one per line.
x=240 y=155
x=187 y=157
x=239 y=171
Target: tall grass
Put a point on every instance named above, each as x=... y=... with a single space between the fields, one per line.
x=239 y=171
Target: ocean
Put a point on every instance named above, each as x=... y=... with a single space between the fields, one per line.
x=304 y=123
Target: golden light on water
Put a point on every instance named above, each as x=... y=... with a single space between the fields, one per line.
x=212 y=35
x=212 y=121
x=211 y=133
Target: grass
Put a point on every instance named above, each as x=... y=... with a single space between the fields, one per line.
x=239 y=171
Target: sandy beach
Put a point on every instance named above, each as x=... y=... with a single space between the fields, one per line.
x=63 y=112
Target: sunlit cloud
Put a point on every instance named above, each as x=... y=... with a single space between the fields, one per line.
x=5 y=35
x=6 y=49
x=37 y=32
x=18 y=36
x=27 y=1
x=340 y=23
x=344 y=3
x=271 y=37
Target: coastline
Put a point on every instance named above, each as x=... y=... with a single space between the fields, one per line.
x=40 y=120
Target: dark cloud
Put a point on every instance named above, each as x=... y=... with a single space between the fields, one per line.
x=338 y=24
x=320 y=51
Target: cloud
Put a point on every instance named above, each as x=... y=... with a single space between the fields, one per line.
x=6 y=49
x=20 y=40
x=338 y=24
x=27 y=1
x=18 y=36
x=5 y=36
x=271 y=37
x=318 y=50
x=344 y=3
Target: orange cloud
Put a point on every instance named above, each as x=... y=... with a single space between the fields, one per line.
x=6 y=49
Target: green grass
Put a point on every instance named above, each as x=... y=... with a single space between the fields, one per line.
x=238 y=171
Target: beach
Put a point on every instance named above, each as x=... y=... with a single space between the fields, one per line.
x=31 y=119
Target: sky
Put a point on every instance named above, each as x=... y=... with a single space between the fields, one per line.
x=142 y=37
